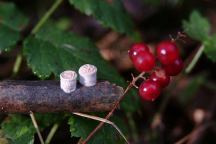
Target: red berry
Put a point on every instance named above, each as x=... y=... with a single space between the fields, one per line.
x=144 y=61
x=149 y=90
x=160 y=77
x=167 y=52
x=137 y=48
x=174 y=68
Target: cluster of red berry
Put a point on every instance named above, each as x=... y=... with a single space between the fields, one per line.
x=144 y=61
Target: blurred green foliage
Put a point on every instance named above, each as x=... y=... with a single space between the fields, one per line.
x=52 y=50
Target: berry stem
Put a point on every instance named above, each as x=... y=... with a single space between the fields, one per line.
x=195 y=59
x=114 y=107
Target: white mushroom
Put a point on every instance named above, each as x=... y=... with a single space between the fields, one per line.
x=88 y=75
x=68 y=80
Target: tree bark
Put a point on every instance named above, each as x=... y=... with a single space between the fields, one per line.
x=46 y=96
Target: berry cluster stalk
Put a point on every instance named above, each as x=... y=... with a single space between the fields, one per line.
x=132 y=83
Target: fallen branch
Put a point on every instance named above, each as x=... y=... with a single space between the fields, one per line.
x=46 y=96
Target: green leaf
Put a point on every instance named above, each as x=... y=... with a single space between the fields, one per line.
x=197 y=26
x=53 y=51
x=111 y=14
x=19 y=130
x=12 y=17
x=8 y=37
x=48 y=119
x=210 y=48
x=81 y=127
x=11 y=23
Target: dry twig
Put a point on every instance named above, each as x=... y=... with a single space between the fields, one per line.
x=46 y=96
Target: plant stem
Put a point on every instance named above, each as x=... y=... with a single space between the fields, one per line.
x=114 y=107
x=102 y=120
x=51 y=133
x=36 y=127
x=34 y=30
x=107 y=116
x=17 y=65
x=46 y=16
x=195 y=59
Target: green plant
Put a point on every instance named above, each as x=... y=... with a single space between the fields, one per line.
x=198 y=28
x=49 y=48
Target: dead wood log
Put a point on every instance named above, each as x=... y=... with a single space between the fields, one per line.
x=46 y=96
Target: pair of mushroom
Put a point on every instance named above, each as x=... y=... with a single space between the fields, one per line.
x=87 y=77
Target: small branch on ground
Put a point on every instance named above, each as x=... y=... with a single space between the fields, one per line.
x=46 y=96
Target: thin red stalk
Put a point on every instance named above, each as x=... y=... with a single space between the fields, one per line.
x=114 y=107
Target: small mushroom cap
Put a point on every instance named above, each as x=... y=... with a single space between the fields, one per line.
x=69 y=74
x=87 y=69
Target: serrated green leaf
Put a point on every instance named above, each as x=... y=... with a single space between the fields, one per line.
x=111 y=14
x=197 y=26
x=210 y=48
x=81 y=127
x=11 y=16
x=8 y=37
x=53 y=51
x=11 y=23
x=19 y=130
